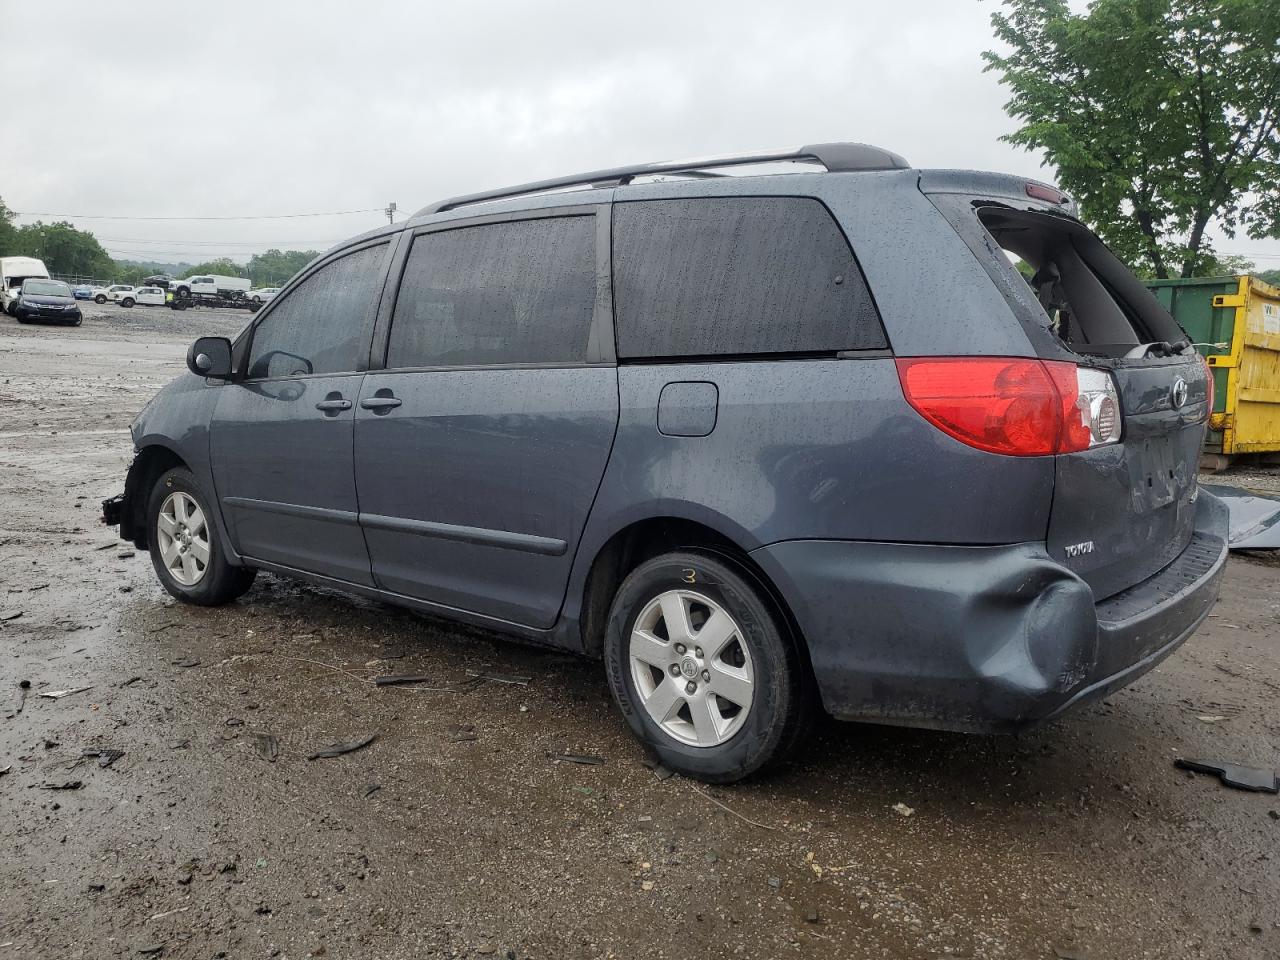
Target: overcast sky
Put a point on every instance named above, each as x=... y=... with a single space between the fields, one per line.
x=264 y=108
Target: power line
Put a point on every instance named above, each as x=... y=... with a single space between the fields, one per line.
x=274 y=216
x=217 y=243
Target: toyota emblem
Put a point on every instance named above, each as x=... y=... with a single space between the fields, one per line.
x=1178 y=395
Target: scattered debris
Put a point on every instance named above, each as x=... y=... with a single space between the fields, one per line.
x=338 y=749
x=59 y=694
x=370 y=790
x=130 y=682
x=185 y=662
x=267 y=746
x=24 y=686
x=68 y=785
x=903 y=809
x=6 y=615
x=659 y=770
x=167 y=913
x=6 y=769
x=499 y=677
x=1215 y=718
x=106 y=756
x=462 y=738
x=106 y=546
x=1066 y=952
x=1234 y=774
x=400 y=680
x=754 y=823
x=1253 y=518
x=125 y=554
x=582 y=758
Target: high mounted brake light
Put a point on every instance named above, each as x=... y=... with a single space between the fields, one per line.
x=1038 y=191
x=1014 y=406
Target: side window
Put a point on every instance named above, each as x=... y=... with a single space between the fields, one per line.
x=320 y=326
x=737 y=275
x=516 y=292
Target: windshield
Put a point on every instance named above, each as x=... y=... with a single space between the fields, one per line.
x=46 y=288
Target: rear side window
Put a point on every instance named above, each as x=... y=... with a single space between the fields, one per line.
x=319 y=327
x=737 y=275
x=522 y=291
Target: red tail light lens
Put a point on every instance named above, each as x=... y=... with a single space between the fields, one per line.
x=1014 y=406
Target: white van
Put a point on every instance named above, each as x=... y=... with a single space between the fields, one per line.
x=13 y=270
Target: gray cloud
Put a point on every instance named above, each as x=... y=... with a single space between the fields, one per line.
x=265 y=108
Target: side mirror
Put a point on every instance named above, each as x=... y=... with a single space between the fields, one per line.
x=210 y=357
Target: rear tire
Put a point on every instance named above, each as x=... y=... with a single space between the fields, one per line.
x=186 y=550
x=127 y=302
x=687 y=705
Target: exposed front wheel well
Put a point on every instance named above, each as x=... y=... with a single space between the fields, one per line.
x=148 y=466
x=633 y=545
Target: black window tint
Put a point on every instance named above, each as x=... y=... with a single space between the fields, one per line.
x=515 y=292
x=320 y=326
x=738 y=275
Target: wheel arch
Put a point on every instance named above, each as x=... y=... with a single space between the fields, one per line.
x=641 y=539
x=148 y=465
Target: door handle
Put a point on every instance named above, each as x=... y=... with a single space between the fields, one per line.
x=335 y=403
x=380 y=404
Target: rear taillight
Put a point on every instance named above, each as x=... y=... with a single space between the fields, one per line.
x=1014 y=406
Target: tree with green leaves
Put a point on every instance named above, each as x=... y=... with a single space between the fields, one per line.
x=223 y=267
x=8 y=232
x=1161 y=117
x=65 y=250
x=275 y=267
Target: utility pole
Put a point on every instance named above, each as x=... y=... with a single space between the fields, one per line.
x=391 y=212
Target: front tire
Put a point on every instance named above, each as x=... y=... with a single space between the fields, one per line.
x=99 y=299
x=185 y=549
x=703 y=668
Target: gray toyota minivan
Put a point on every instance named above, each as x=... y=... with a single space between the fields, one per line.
x=765 y=433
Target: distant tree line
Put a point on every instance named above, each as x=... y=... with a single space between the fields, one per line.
x=69 y=252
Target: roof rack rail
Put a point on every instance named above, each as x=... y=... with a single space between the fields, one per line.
x=836 y=157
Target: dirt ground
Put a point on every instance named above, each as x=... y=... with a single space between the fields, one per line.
x=454 y=834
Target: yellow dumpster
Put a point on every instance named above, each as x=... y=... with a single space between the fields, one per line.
x=1242 y=313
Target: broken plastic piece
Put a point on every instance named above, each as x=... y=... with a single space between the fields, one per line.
x=400 y=680
x=59 y=694
x=1253 y=517
x=1235 y=775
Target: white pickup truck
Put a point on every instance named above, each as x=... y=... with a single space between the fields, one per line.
x=210 y=285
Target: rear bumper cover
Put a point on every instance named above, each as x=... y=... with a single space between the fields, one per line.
x=983 y=638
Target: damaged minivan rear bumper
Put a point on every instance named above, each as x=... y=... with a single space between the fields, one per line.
x=983 y=638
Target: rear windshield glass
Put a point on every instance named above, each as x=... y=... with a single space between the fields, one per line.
x=1093 y=304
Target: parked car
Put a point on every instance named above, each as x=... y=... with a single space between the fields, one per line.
x=210 y=286
x=14 y=271
x=49 y=300
x=152 y=296
x=88 y=291
x=262 y=294
x=117 y=293
x=761 y=443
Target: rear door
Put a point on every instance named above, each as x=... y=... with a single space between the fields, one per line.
x=480 y=446
x=1122 y=510
x=281 y=438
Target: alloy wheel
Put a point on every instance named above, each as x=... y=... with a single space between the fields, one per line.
x=183 y=536
x=691 y=668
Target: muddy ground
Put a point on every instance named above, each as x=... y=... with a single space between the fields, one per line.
x=454 y=834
